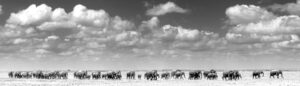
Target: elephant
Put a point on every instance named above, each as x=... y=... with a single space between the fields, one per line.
x=39 y=75
x=194 y=75
x=231 y=75
x=104 y=76
x=165 y=75
x=139 y=76
x=152 y=75
x=20 y=74
x=212 y=76
x=17 y=74
x=96 y=75
x=277 y=73
x=205 y=73
x=178 y=74
x=63 y=75
x=131 y=75
x=114 y=75
x=11 y=74
x=81 y=75
x=257 y=74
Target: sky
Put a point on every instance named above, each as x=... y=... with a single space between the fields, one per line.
x=149 y=34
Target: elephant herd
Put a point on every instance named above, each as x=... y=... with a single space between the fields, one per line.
x=150 y=75
x=231 y=75
x=114 y=75
x=210 y=75
x=39 y=74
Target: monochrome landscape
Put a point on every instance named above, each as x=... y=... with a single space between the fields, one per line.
x=149 y=43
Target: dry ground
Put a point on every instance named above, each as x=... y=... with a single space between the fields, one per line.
x=291 y=79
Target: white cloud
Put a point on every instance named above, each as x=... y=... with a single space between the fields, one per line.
x=51 y=26
x=41 y=51
x=148 y=27
x=153 y=22
x=180 y=33
x=19 y=41
x=61 y=29
x=84 y=16
x=294 y=42
x=59 y=14
x=90 y=32
x=162 y=9
x=244 y=14
x=33 y=15
x=127 y=38
x=256 y=38
x=256 y=28
x=279 y=25
x=256 y=25
x=291 y=8
x=121 y=25
x=53 y=37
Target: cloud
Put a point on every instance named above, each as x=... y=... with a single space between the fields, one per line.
x=87 y=32
x=84 y=16
x=33 y=15
x=254 y=38
x=59 y=14
x=39 y=24
x=279 y=25
x=162 y=9
x=19 y=41
x=1 y=11
x=121 y=25
x=149 y=26
x=180 y=33
x=177 y=37
x=61 y=29
x=290 y=8
x=243 y=14
x=129 y=38
x=257 y=29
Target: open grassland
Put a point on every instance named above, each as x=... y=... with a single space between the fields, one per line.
x=291 y=78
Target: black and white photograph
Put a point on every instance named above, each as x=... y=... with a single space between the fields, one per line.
x=149 y=42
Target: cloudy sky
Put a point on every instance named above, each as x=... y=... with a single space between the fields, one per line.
x=149 y=34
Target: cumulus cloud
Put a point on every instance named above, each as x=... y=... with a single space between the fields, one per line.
x=121 y=25
x=59 y=14
x=61 y=29
x=162 y=9
x=177 y=37
x=48 y=26
x=243 y=14
x=147 y=27
x=33 y=15
x=55 y=31
x=129 y=38
x=257 y=29
x=84 y=16
x=270 y=36
x=290 y=8
x=180 y=33
x=87 y=31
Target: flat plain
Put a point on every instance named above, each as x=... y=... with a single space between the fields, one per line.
x=291 y=78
